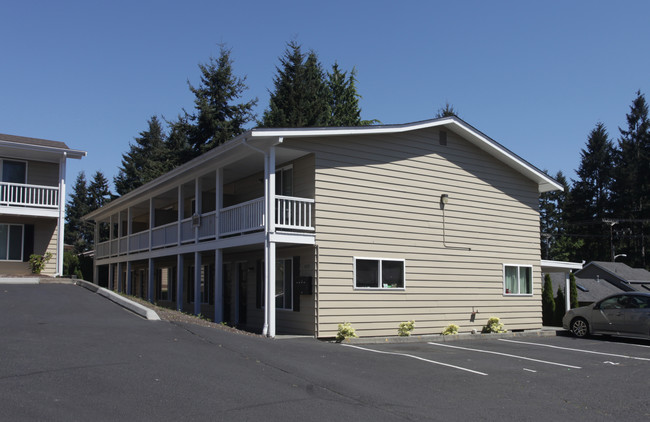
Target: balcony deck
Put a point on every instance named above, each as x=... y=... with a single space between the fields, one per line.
x=25 y=199
x=292 y=214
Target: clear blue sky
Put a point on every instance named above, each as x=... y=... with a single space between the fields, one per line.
x=534 y=76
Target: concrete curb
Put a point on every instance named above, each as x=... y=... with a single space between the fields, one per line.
x=19 y=280
x=438 y=338
x=132 y=306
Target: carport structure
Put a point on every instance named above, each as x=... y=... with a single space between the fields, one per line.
x=565 y=268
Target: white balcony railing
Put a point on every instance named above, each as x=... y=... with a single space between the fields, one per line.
x=292 y=213
x=23 y=195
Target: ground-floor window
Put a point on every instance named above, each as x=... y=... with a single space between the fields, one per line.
x=283 y=283
x=379 y=273
x=11 y=242
x=517 y=279
x=166 y=283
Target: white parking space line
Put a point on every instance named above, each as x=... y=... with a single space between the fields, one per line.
x=627 y=344
x=506 y=354
x=575 y=350
x=416 y=357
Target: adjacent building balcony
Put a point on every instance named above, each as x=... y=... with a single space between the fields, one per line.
x=25 y=199
x=292 y=215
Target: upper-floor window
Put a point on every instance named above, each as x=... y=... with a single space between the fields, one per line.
x=14 y=171
x=284 y=181
x=11 y=242
x=518 y=279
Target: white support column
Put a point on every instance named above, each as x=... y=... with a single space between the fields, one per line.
x=567 y=291
x=61 y=220
x=197 y=283
x=236 y=283
x=271 y=245
x=267 y=237
x=129 y=279
x=218 y=285
x=150 y=288
x=218 y=201
x=152 y=217
x=179 y=282
x=197 y=206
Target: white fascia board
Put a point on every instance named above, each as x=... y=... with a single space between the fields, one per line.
x=553 y=266
x=29 y=211
x=70 y=153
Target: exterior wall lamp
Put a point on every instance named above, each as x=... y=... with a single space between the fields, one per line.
x=444 y=199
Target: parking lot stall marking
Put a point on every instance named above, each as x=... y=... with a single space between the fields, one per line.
x=576 y=350
x=530 y=370
x=507 y=355
x=416 y=357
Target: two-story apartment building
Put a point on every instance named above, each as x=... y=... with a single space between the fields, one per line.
x=32 y=202
x=298 y=230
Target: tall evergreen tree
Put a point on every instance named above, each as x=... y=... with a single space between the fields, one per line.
x=145 y=160
x=99 y=194
x=557 y=243
x=573 y=291
x=344 y=99
x=218 y=117
x=77 y=207
x=447 y=111
x=548 y=302
x=300 y=97
x=631 y=199
x=590 y=200
x=560 y=306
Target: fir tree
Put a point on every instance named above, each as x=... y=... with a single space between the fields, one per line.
x=99 y=193
x=560 y=306
x=590 y=201
x=573 y=291
x=300 y=97
x=548 y=302
x=77 y=207
x=218 y=117
x=344 y=99
x=557 y=243
x=447 y=111
x=145 y=161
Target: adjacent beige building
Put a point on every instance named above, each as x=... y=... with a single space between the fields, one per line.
x=32 y=202
x=429 y=221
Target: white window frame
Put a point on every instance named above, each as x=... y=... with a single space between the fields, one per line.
x=2 y=162
x=277 y=260
x=279 y=173
x=379 y=262
x=518 y=266
x=22 y=242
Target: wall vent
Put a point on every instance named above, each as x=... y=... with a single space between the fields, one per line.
x=443 y=138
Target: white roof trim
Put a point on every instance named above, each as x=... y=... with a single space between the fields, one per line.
x=553 y=266
x=70 y=153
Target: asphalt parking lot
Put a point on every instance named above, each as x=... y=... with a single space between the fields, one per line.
x=69 y=354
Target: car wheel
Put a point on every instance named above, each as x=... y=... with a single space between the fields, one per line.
x=579 y=327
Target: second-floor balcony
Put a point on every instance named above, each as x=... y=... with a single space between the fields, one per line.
x=292 y=214
x=33 y=197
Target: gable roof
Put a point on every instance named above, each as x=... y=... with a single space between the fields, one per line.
x=635 y=278
x=589 y=289
x=44 y=145
x=455 y=124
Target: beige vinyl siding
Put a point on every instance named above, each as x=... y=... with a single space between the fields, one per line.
x=45 y=239
x=42 y=173
x=378 y=196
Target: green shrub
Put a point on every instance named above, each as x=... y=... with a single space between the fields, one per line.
x=548 y=302
x=450 y=330
x=560 y=306
x=494 y=326
x=405 y=328
x=37 y=262
x=345 y=331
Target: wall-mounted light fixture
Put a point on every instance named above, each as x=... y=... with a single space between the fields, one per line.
x=444 y=199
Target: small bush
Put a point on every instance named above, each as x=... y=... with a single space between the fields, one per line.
x=345 y=331
x=494 y=326
x=451 y=329
x=405 y=328
x=37 y=262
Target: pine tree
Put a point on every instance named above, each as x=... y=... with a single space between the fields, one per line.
x=217 y=117
x=548 y=302
x=77 y=207
x=447 y=111
x=300 y=97
x=344 y=99
x=99 y=193
x=145 y=161
x=590 y=200
x=631 y=199
x=557 y=243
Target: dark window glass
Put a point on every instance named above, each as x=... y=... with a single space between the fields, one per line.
x=14 y=171
x=16 y=243
x=392 y=274
x=367 y=273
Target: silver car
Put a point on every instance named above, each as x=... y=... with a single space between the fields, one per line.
x=623 y=314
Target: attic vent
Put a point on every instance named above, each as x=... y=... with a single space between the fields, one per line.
x=443 y=138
